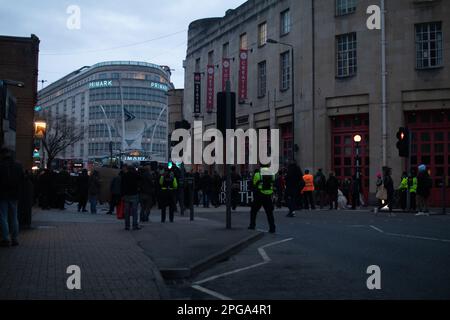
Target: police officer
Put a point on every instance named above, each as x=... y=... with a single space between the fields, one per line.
x=403 y=188
x=169 y=185
x=263 y=182
x=412 y=184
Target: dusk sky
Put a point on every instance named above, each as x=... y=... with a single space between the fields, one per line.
x=140 y=30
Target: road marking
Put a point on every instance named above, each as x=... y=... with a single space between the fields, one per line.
x=261 y=251
x=211 y=292
x=400 y=235
x=377 y=229
x=409 y=236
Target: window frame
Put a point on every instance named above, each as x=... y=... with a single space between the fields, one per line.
x=262 y=79
x=262 y=34
x=438 y=45
x=343 y=10
x=285 y=78
x=283 y=26
x=346 y=52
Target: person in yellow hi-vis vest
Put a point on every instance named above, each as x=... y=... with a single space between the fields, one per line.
x=263 y=182
x=169 y=185
x=403 y=188
x=412 y=183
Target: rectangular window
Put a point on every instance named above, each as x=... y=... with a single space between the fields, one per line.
x=243 y=42
x=262 y=80
x=429 y=45
x=211 y=57
x=346 y=62
x=285 y=68
x=262 y=34
x=197 y=65
x=285 y=21
x=345 y=7
x=225 y=50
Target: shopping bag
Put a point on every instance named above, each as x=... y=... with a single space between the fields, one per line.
x=121 y=210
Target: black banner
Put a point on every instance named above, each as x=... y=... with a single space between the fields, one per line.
x=197 y=93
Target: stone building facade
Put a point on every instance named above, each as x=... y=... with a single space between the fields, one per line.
x=338 y=80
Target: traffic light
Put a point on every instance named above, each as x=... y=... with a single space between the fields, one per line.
x=403 y=142
x=222 y=111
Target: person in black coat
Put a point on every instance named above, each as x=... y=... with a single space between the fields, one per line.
x=206 y=185
x=146 y=190
x=62 y=184
x=389 y=185
x=332 y=187
x=11 y=185
x=424 y=185
x=294 y=187
x=82 y=185
x=44 y=189
x=130 y=183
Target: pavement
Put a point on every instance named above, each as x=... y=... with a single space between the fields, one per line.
x=318 y=254
x=115 y=264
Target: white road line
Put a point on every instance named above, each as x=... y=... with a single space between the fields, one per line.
x=377 y=229
x=230 y=273
x=264 y=256
x=409 y=236
x=211 y=292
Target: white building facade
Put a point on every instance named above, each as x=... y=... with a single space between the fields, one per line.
x=122 y=104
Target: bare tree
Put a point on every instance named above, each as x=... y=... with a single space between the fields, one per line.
x=62 y=132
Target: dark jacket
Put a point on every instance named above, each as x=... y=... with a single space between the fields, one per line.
x=332 y=185
x=115 y=185
x=424 y=184
x=130 y=183
x=62 y=181
x=147 y=184
x=82 y=185
x=388 y=184
x=320 y=181
x=206 y=183
x=294 y=181
x=11 y=180
x=94 y=185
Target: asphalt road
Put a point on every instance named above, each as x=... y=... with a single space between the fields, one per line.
x=325 y=255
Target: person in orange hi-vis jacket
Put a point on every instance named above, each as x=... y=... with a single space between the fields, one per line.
x=308 y=191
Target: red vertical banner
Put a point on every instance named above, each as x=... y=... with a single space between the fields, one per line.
x=197 y=93
x=243 y=75
x=210 y=89
x=226 y=66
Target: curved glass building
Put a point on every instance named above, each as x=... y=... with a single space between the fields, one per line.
x=122 y=105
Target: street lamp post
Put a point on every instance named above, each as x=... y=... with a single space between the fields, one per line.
x=272 y=41
x=357 y=138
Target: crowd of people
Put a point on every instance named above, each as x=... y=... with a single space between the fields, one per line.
x=306 y=191
x=142 y=188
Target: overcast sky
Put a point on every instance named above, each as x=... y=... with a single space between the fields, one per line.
x=140 y=30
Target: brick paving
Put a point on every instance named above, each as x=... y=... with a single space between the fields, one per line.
x=112 y=265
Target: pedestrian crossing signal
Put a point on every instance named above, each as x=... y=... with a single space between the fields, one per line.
x=403 y=142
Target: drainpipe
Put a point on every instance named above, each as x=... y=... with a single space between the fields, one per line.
x=313 y=86
x=383 y=84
